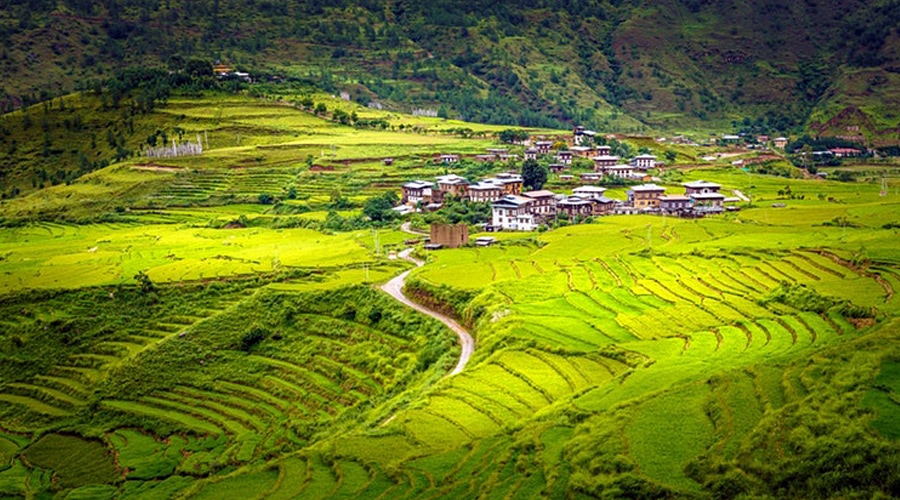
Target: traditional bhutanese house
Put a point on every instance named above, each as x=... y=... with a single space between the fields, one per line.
x=486 y=158
x=388 y=162
x=708 y=199
x=448 y=159
x=512 y=213
x=582 y=151
x=591 y=176
x=762 y=139
x=580 y=134
x=557 y=168
x=645 y=195
x=701 y=186
x=543 y=147
x=564 y=157
x=544 y=203
x=845 y=152
x=531 y=154
x=588 y=191
x=644 y=162
x=484 y=192
x=731 y=138
x=573 y=206
x=622 y=171
x=780 y=142
x=674 y=203
x=505 y=157
x=602 y=205
x=566 y=178
x=603 y=150
x=511 y=183
x=452 y=185
x=497 y=151
x=416 y=191
x=604 y=161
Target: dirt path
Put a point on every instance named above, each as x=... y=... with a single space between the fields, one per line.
x=740 y=195
x=394 y=288
x=406 y=228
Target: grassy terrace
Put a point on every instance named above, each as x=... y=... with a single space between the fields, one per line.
x=634 y=356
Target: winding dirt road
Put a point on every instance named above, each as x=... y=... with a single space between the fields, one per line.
x=394 y=288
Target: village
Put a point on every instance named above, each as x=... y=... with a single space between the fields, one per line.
x=513 y=209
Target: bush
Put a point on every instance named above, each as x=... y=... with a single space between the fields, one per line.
x=251 y=338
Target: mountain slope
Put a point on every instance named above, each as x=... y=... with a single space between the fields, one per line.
x=630 y=65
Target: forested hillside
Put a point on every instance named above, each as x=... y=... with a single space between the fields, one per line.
x=632 y=65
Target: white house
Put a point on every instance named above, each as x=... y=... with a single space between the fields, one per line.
x=512 y=213
x=644 y=162
x=587 y=192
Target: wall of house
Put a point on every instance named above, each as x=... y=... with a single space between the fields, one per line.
x=450 y=235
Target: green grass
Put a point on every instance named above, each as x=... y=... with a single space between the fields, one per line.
x=249 y=485
x=76 y=461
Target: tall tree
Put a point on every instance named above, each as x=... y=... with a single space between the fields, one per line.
x=534 y=175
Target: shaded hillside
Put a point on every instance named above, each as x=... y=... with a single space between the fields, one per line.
x=677 y=64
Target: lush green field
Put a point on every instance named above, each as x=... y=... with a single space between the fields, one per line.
x=748 y=353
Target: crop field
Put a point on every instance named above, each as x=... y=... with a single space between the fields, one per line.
x=202 y=327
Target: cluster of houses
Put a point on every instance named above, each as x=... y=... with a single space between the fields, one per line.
x=514 y=210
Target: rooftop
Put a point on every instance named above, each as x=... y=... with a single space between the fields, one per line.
x=418 y=185
x=648 y=187
x=512 y=200
x=538 y=194
x=589 y=189
x=701 y=184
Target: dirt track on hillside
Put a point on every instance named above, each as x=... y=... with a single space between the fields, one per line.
x=394 y=288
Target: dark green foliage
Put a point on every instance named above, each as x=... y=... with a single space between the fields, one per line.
x=379 y=208
x=251 y=338
x=534 y=175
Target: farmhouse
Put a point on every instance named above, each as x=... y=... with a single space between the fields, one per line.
x=644 y=162
x=582 y=151
x=543 y=147
x=674 y=203
x=543 y=203
x=557 y=168
x=415 y=192
x=511 y=183
x=699 y=187
x=591 y=177
x=645 y=195
x=452 y=184
x=448 y=159
x=574 y=206
x=603 y=205
x=603 y=150
x=485 y=192
x=621 y=171
x=845 y=152
x=780 y=142
x=580 y=134
x=531 y=154
x=497 y=151
x=564 y=157
x=604 y=161
x=506 y=157
x=566 y=178
x=486 y=158
x=708 y=199
x=512 y=213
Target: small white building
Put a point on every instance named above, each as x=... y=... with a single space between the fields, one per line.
x=644 y=162
x=512 y=213
x=601 y=161
x=416 y=191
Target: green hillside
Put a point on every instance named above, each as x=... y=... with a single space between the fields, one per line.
x=170 y=332
x=629 y=66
